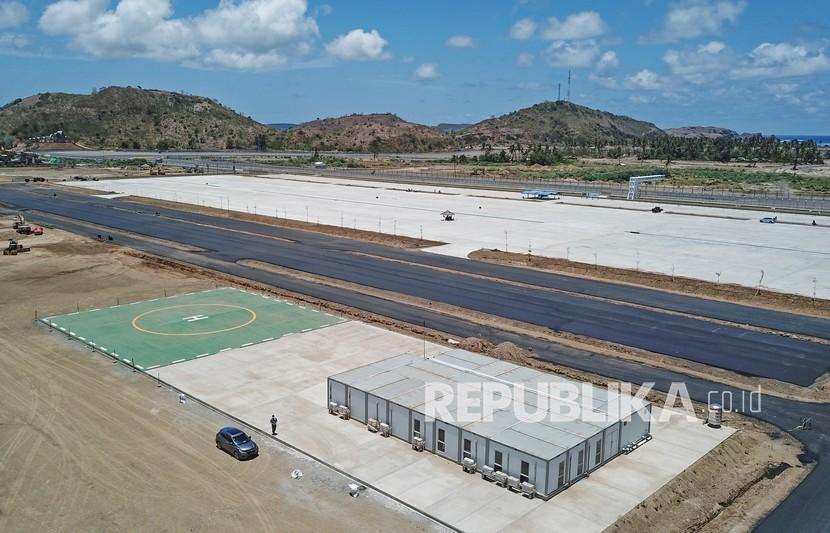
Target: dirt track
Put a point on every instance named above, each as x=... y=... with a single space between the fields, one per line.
x=87 y=445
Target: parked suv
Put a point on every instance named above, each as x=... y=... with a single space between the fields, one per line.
x=237 y=443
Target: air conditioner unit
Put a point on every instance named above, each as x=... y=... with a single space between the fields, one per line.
x=344 y=412
x=528 y=489
x=418 y=444
x=373 y=425
x=468 y=465
x=500 y=478
x=385 y=430
x=513 y=484
x=487 y=473
x=332 y=408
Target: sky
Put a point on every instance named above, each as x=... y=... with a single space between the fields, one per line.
x=748 y=65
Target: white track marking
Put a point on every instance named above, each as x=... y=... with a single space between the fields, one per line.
x=225 y=349
x=152 y=367
x=247 y=344
x=268 y=339
x=177 y=361
x=202 y=355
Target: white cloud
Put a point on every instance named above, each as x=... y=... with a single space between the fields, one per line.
x=583 y=25
x=703 y=64
x=609 y=82
x=358 y=45
x=571 y=53
x=13 y=14
x=525 y=59
x=782 y=60
x=13 y=41
x=462 y=41
x=645 y=80
x=239 y=34
x=71 y=16
x=533 y=86
x=427 y=71
x=523 y=29
x=607 y=62
x=697 y=18
x=408 y=59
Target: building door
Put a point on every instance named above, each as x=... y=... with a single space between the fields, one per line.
x=357 y=404
x=400 y=421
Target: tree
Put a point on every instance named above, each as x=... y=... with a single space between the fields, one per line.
x=261 y=142
x=375 y=146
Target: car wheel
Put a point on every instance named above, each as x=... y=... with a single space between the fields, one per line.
x=236 y=455
x=218 y=445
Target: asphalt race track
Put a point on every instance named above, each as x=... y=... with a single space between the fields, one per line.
x=730 y=347
x=805 y=509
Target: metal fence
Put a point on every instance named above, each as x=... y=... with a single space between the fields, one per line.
x=817 y=204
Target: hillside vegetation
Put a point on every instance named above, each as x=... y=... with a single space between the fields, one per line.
x=125 y=117
x=555 y=122
x=380 y=132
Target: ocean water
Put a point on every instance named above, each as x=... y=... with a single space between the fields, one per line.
x=822 y=140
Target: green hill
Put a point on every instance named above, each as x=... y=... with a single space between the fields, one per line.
x=555 y=122
x=378 y=132
x=126 y=117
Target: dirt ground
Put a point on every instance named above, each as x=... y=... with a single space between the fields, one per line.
x=729 y=489
x=704 y=289
x=87 y=445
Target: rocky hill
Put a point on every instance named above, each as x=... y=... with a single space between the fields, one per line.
x=447 y=127
x=702 y=132
x=555 y=122
x=126 y=117
x=380 y=132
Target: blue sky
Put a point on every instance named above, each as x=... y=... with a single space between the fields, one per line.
x=746 y=65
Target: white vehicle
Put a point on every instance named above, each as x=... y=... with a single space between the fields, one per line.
x=769 y=220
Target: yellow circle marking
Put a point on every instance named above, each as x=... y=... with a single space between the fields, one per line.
x=142 y=315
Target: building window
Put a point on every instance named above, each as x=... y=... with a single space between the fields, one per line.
x=561 y=474
x=441 y=446
x=468 y=447
x=580 y=462
x=497 y=462
x=525 y=475
x=598 y=453
x=416 y=428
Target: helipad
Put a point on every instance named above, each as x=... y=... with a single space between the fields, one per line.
x=171 y=330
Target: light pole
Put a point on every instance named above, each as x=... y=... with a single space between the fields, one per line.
x=505 y=241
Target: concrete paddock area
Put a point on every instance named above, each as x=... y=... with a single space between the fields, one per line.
x=708 y=243
x=288 y=377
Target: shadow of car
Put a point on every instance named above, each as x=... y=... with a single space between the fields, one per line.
x=237 y=443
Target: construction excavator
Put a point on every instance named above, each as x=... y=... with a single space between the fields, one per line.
x=15 y=248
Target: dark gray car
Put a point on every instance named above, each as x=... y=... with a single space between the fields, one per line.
x=237 y=443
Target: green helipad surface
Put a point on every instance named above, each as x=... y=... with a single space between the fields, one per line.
x=171 y=330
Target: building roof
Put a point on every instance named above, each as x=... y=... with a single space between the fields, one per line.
x=532 y=418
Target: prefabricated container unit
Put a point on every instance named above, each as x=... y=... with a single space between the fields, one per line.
x=548 y=451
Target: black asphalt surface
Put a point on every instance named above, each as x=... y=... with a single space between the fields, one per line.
x=806 y=509
x=730 y=347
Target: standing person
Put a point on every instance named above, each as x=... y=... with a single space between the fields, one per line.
x=273 y=424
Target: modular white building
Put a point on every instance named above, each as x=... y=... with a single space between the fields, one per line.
x=544 y=435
